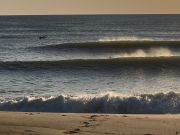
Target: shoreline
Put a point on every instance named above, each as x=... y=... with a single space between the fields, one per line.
x=36 y=123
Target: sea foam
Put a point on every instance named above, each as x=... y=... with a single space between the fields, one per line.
x=160 y=103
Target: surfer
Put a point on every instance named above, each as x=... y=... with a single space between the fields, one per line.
x=42 y=37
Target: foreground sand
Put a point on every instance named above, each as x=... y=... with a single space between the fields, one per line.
x=87 y=124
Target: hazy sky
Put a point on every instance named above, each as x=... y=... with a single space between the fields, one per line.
x=88 y=6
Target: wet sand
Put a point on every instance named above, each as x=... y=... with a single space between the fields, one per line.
x=13 y=123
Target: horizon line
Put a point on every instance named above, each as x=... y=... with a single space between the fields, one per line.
x=88 y=14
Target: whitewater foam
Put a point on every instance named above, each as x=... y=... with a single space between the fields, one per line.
x=159 y=103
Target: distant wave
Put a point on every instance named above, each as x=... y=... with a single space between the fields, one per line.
x=144 y=104
x=112 y=45
x=110 y=63
x=116 y=48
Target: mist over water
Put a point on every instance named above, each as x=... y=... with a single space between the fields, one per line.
x=153 y=52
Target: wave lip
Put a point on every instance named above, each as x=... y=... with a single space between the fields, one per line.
x=128 y=38
x=135 y=38
x=144 y=104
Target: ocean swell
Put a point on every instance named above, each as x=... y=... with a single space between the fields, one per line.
x=160 y=103
x=110 y=63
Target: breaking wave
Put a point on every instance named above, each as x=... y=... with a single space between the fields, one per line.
x=144 y=44
x=160 y=103
x=115 y=48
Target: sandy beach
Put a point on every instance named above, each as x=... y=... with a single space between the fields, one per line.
x=12 y=123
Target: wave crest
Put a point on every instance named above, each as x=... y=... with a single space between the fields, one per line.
x=134 y=38
x=144 y=104
x=127 y=38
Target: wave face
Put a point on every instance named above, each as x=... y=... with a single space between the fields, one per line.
x=144 y=104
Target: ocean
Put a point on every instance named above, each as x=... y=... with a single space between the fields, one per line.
x=90 y=63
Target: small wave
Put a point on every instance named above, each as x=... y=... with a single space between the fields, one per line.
x=160 y=103
x=110 y=63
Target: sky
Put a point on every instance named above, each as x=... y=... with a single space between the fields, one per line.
x=48 y=7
